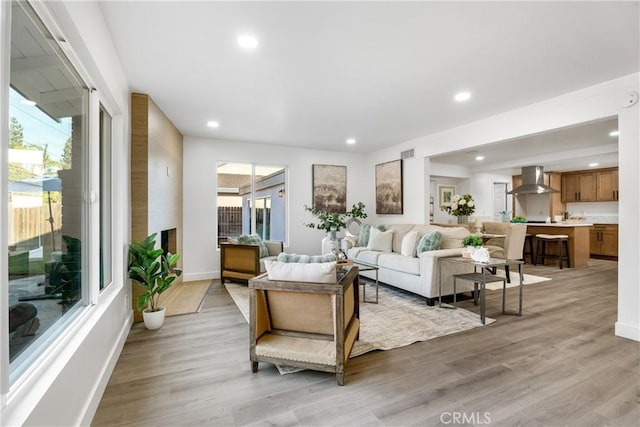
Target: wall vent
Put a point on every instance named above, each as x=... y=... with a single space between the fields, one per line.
x=407 y=154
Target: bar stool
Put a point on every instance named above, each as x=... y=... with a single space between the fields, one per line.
x=562 y=241
x=528 y=249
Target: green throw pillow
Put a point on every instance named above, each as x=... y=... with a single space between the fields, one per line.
x=429 y=242
x=288 y=258
x=365 y=233
x=254 y=239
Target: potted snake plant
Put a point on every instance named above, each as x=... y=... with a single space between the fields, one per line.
x=154 y=270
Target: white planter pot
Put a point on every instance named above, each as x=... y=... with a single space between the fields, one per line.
x=153 y=319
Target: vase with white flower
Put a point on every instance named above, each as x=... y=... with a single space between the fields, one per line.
x=461 y=206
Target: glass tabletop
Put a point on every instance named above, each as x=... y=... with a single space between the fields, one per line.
x=493 y=262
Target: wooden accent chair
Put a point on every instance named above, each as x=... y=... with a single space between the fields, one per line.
x=305 y=324
x=509 y=247
x=242 y=262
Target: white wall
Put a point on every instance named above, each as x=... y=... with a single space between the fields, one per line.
x=201 y=258
x=66 y=384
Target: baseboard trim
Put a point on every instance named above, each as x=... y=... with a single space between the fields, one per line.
x=92 y=404
x=189 y=277
x=625 y=330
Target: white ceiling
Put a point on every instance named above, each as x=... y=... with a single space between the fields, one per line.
x=380 y=72
x=567 y=149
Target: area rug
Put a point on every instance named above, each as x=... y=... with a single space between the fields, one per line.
x=399 y=319
x=528 y=279
x=185 y=297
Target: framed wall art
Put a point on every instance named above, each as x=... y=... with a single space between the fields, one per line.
x=446 y=194
x=389 y=187
x=330 y=188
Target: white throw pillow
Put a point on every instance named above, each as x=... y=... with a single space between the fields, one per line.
x=380 y=240
x=409 y=244
x=324 y=272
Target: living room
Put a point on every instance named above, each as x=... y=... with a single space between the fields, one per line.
x=100 y=340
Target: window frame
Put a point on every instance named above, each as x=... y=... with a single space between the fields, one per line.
x=252 y=205
x=51 y=352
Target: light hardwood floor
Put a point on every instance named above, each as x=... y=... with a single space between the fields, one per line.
x=558 y=365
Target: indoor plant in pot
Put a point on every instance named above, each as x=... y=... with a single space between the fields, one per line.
x=153 y=269
x=333 y=222
x=471 y=243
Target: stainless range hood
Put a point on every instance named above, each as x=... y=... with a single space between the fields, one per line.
x=532 y=182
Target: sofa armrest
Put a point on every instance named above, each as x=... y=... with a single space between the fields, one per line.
x=431 y=264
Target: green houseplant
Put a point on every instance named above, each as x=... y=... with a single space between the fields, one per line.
x=472 y=240
x=153 y=269
x=334 y=221
x=471 y=243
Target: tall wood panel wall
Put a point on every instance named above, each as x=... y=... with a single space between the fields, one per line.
x=156 y=176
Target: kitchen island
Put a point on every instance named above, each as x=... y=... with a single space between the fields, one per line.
x=578 y=233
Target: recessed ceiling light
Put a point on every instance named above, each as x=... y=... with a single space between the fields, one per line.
x=351 y=141
x=28 y=102
x=213 y=124
x=478 y=158
x=462 y=96
x=593 y=165
x=247 y=41
x=614 y=133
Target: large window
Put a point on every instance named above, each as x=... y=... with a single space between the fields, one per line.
x=50 y=193
x=251 y=200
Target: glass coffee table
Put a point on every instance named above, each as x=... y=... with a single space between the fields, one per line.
x=363 y=266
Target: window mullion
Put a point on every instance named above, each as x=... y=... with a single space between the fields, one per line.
x=93 y=201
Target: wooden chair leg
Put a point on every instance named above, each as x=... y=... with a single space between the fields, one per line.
x=254 y=367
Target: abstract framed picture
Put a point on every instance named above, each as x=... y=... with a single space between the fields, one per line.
x=446 y=194
x=389 y=188
x=330 y=188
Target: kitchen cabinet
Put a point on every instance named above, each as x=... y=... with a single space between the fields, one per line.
x=607 y=184
x=579 y=187
x=603 y=240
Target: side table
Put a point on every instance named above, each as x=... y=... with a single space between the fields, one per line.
x=482 y=278
x=362 y=266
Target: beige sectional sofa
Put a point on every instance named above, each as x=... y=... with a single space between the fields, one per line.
x=417 y=274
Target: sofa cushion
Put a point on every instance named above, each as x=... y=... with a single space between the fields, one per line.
x=452 y=237
x=365 y=231
x=409 y=244
x=398 y=262
x=399 y=231
x=324 y=272
x=363 y=237
x=430 y=241
x=380 y=240
x=254 y=239
x=367 y=256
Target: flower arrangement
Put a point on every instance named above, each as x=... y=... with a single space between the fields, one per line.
x=460 y=205
x=334 y=221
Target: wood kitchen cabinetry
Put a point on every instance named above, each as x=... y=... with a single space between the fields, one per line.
x=607 y=184
x=603 y=240
x=590 y=186
x=579 y=187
